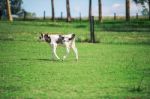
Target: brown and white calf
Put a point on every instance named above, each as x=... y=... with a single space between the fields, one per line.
x=55 y=39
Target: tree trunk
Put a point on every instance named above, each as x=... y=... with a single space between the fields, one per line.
x=9 y=11
x=68 y=11
x=100 y=10
x=53 y=12
x=90 y=9
x=127 y=10
x=149 y=8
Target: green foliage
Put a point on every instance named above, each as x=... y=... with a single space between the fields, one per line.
x=15 y=5
x=140 y=1
x=145 y=10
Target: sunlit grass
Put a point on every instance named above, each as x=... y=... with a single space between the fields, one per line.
x=111 y=69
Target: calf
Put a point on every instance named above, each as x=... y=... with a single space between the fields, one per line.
x=57 y=39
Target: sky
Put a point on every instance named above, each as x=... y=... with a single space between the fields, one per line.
x=109 y=7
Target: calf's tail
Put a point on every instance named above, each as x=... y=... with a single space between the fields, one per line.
x=72 y=37
x=72 y=40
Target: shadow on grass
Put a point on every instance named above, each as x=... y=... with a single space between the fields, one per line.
x=54 y=25
x=123 y=26
x=10 y=88
x=133 y=89
x=19 y=40
x=24 y=59
x=136 y=89
x=47 y=60
x=80 y=26
x=39 y=59
x=37 y=24
x=6 y=39
x=127 y=43
x=125 y=29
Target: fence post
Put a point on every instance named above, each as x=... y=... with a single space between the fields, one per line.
x=92 y=30
x=80 y=17
x=44 y=15
x=114 y=16
x=24 y=15
x=137 y=16
x=61 y=15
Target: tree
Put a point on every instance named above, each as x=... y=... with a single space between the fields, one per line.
x=0 y=12
x=53 y=12
x=9 y=10
x=149 y=8
x=90 y=9
x=140 y=1
x=68 y=11
x=145 y=10
x=127 y=10
x=15 y=5
x=100 y=10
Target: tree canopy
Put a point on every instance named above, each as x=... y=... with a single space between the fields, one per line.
x=15 y=5
x=140 y=1
x=143 y=3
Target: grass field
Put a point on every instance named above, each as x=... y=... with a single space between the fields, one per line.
x=116 y=68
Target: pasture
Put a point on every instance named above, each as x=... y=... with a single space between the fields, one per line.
x=118 y=67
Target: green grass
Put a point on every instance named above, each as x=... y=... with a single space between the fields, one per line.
x=116 y=68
